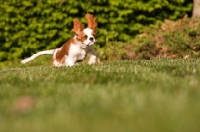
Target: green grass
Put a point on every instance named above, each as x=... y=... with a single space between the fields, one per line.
x=123 y=96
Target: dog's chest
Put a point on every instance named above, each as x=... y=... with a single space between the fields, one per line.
x=81 y=55
x=77 y=52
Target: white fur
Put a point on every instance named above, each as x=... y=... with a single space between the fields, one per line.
x=78 y=52
x=36 y=55
x=88 y=32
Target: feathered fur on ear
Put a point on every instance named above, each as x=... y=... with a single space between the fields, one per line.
x=78 y=26
x=92 y=24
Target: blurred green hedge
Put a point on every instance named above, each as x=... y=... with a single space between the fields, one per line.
x=27 y=26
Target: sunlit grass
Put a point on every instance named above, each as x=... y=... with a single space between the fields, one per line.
x=123 y=96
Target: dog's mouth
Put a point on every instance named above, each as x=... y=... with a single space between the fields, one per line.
x=84 y=46
x=91 y=43
x=87 y=45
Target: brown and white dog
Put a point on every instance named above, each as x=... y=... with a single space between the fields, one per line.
x=76 y=48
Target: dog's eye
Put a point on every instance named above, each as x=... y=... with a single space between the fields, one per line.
x=94 y=35
x=85 y=36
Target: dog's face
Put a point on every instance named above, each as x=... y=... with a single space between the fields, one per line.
x=86 y=36
x=89 y=37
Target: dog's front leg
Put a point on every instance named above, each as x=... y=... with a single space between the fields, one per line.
x=69 y=61
x=93 y=56
x=93 y=59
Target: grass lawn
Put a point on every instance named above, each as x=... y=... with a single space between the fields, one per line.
x=123 y=96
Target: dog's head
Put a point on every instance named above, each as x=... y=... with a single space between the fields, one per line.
x=87 y=36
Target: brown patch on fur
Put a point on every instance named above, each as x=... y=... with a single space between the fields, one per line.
x=78 y=30
x=78 y=26
x=60 y=54
x=92 y=24
x=82 y=37
x=94 y=34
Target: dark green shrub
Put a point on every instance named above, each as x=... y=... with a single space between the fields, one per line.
x=27 y=26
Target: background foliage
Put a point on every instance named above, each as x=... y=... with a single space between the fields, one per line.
x=27 y=26
x=171 y=39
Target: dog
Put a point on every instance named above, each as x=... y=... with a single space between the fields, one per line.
x=76 y=48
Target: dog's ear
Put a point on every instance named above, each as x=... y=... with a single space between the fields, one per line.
x=78 y=26
x=92 y=24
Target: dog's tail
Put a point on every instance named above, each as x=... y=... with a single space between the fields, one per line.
x=46 y=52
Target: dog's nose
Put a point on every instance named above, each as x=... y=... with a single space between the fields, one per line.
x=91 y=38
